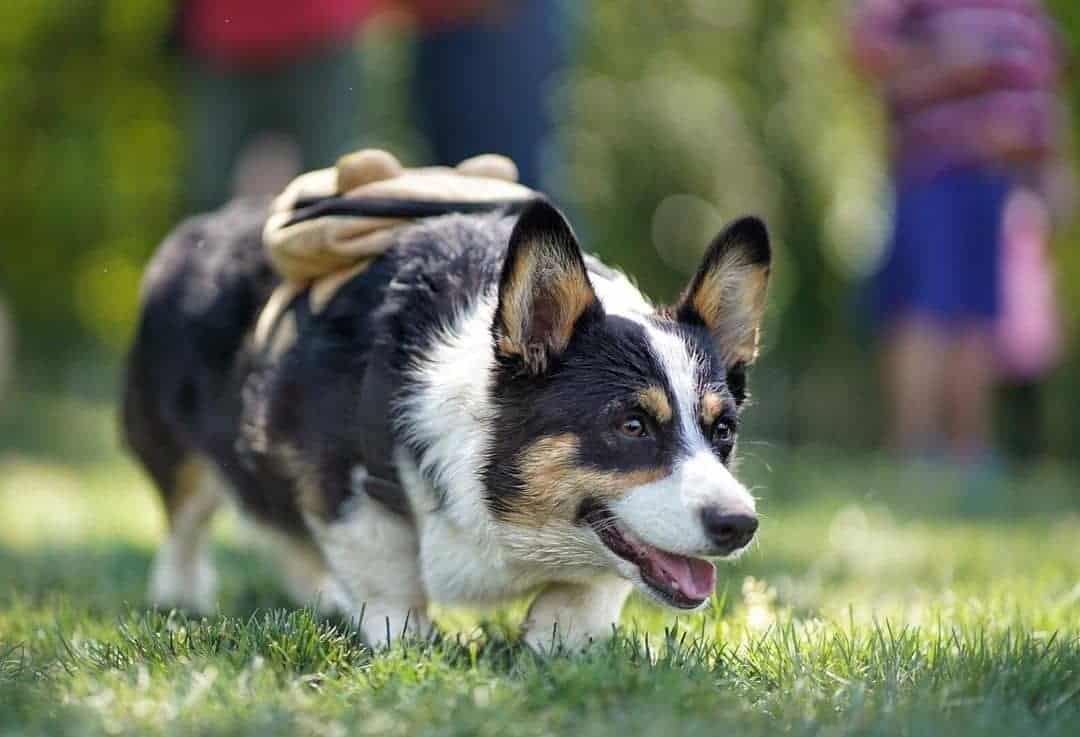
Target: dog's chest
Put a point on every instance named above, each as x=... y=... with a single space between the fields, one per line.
x=460 y=560
x=460 y=566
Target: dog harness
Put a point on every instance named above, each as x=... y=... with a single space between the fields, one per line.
x=328 y=225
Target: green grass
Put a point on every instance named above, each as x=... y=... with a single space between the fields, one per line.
x=879 y=601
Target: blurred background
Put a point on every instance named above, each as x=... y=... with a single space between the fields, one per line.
x=650 y=122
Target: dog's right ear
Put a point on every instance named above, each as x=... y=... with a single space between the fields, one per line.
x=544 y=291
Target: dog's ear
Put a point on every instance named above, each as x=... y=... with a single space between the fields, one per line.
x=544 y=292
x=727 y=294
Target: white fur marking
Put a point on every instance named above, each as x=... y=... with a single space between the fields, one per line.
x=667 y=513
x=449 y=413
x=572 y=615
x=180 y=579
x=681 y=366
x=373 y=554
x=620 y=297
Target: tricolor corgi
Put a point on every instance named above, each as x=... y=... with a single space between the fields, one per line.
x=484 y=412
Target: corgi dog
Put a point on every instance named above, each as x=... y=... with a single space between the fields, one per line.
x=484 y=412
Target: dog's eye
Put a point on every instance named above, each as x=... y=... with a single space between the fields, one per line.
x=633 y=427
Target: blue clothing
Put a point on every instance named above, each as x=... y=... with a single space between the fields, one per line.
x=944 y=259
x=483 y=87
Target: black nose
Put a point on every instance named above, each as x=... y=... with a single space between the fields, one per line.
x=728 y=532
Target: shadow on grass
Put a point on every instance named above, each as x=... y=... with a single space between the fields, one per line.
x=112 y=578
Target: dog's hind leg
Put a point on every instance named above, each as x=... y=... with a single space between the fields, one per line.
x=304 y=572
x=182 y=574
x=374 y=555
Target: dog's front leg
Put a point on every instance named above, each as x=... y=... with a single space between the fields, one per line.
x=572 y=615
x=374 y=555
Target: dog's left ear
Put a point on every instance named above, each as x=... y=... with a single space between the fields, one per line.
x=544 y=291
x=727 y=294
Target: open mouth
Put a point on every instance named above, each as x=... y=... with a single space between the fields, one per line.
x=678 y=580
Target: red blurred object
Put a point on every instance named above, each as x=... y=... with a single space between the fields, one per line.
x=253 y=32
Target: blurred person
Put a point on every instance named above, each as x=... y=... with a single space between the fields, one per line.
x=274 y=85
x=969 y=87
x=482 y=71
x=272 y=90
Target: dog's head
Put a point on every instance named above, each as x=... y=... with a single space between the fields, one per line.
x=616 y=423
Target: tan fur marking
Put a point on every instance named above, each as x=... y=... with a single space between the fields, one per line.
x=516 y=306
x=186 y=484
x=563 y=287
x=712 y=405
x=305 y=476
x=654 y=400
x=555 y=484
x=731 y=301
x=573 y=294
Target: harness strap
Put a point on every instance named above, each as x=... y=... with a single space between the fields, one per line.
x=309 y=208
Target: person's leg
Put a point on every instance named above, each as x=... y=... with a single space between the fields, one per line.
x=1021 y=419
x=221 y=119
x=913 y=371
x=319 y=104
x=483 y=87
x=909 y=311
x=969 y=391
x=971 y=367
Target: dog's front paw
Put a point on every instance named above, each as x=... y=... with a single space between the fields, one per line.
x=568 y=617
x=382 y=625
x=557 y=639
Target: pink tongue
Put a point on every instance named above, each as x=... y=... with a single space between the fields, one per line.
x=695 y=578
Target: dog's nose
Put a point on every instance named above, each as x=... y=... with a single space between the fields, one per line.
x=728 y=532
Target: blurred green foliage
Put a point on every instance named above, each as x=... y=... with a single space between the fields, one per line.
x=676 y=115
x=90 y=149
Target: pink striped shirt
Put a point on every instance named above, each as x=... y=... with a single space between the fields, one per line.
x=968 y=82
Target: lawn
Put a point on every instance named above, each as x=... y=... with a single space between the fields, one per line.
x=879 y=600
